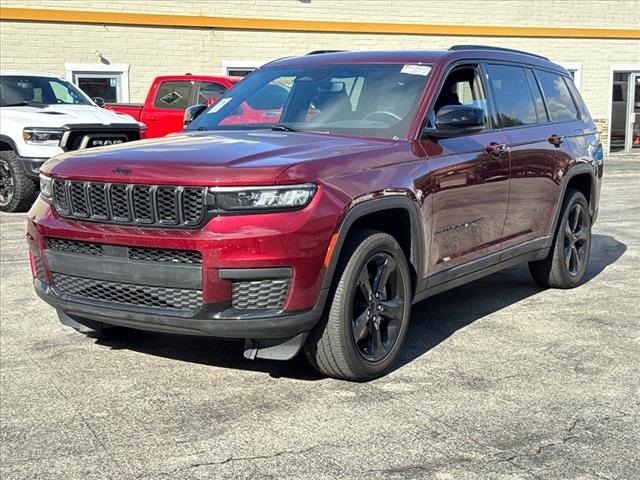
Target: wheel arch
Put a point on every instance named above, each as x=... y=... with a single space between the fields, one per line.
x=376 y=214
x=580 y=177
x=6 y=143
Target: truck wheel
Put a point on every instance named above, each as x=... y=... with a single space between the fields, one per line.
x=17 y=191
x=361 y=334
x=568 y=258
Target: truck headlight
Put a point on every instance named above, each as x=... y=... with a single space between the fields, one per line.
x=263 y=198
x=46 y=187
x=42 y=136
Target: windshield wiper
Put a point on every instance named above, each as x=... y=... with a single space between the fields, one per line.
x=278 y=127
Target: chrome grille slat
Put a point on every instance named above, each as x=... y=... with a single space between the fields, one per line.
x=133 y=204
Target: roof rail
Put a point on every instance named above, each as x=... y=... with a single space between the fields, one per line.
x=499 y=49
x=318 y=52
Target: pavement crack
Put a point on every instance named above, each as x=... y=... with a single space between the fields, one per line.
x=196 y=465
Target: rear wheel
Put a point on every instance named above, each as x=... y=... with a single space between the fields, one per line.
x=17 y=191
x=362 y=333
x=568 y=259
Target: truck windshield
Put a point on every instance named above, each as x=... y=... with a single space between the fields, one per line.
x=375 y=100
x=27 y=90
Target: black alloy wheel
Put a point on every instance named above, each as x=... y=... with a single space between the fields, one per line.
x=378 y=307
x=576 y=237
x=7 y=184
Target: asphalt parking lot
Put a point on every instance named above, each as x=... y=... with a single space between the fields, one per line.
x=498 y=379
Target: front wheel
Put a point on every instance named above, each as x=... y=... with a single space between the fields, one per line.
x=362 y=333
x=17 y=191
x=568 y=258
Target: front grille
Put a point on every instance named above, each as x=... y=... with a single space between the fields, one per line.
x=76 y=139
x=130 y=204
x=74 y=246
x=253 y=294
x=129 y=293
x=164 y=255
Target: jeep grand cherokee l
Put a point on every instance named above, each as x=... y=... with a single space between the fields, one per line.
x=385 y=178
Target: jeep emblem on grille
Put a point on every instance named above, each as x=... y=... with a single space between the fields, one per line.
x=122 y=171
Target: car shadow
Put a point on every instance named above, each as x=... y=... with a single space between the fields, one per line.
x=433 y=321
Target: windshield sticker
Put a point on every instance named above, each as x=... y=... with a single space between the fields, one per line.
x=219 y=104
x=416 y=70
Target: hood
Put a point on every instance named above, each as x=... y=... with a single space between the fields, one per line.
x=254 y=157
x=60 y=115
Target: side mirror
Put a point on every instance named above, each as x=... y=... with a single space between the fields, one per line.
x=192 y=112
x=456 y=120
x=99 y=101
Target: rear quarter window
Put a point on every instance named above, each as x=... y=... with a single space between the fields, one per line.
x=560 y=104
x=512 y=96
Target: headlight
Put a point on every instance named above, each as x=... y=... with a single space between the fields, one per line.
x=42 y=136
x=262 y=198
x=46 y=187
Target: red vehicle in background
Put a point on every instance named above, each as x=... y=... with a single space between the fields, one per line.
x=169 y=96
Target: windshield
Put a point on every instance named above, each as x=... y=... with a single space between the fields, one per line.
x=376 y=100
x=26 y=90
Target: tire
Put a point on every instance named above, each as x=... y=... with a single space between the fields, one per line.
x=17 y=191
x=332 y=347
x=568 y=258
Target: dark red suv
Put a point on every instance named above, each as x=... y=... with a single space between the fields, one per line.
x=371 y=181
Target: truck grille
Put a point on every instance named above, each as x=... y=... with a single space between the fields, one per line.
x=98 y=136
x=129 y=293
x=130 y=204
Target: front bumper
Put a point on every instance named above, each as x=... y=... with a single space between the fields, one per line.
x=233 y=252
x=267 y=325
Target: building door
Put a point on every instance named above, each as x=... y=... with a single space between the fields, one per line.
x=632 y=136
x=625 y=112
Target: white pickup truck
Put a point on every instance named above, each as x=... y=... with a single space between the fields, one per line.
x=41 y=116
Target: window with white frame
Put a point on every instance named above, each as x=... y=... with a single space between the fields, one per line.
x=110 y=82
x=240 y=68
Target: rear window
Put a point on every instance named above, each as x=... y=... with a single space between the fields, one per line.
x=174 y=95
x=209 y=90
x=560 y=105
x=512 y=95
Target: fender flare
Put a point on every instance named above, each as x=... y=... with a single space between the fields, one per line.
x=378 y=205
x=577 y=169
x=10 y=142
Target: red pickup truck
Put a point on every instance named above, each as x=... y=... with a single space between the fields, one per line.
x=169 y=96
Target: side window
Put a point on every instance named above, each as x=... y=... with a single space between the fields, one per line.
x=512 y=95
x=556 y=94
x=463 y=86
x=209 y=90
x=174 y=95
x=537 y=97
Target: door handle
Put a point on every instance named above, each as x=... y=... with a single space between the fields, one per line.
x=556 y=140
x=495 y=148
